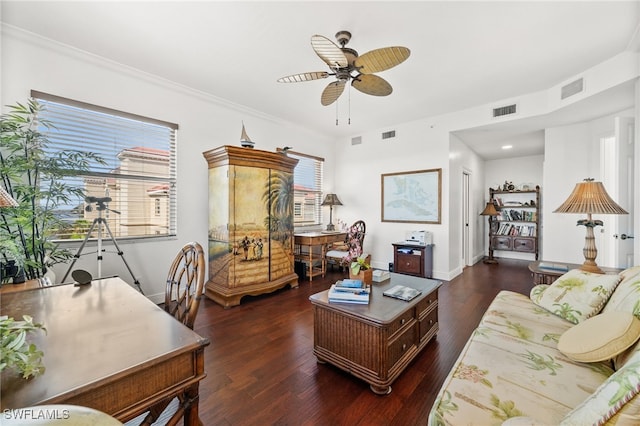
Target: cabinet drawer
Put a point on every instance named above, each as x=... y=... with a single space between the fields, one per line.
x=428 y=322
x=501 y=243
x=408 y=263
x=524 y=244
x=427 y=303
x=404 y=319
x=401 y=345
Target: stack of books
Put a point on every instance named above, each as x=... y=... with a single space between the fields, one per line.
x=349 y=291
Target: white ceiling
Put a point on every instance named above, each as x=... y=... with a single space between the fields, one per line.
x=463 y=54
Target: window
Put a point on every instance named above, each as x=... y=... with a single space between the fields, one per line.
x=137 y=181
x=307 y=186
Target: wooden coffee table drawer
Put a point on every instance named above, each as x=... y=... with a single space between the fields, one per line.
x=428 y=325
x=403 y=344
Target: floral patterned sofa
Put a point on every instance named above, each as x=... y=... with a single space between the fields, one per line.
x=555 y=357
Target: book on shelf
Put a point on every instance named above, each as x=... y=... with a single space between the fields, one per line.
x=402 y=292
x=337 y=295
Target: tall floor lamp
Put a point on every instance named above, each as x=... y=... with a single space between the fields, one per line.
x=331 y=200
x=490 y=210
x=591 y=198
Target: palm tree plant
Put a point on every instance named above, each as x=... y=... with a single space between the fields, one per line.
x=35 y=176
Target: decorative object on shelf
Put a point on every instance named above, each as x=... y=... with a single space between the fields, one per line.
x=245 y=141
x=331 y=200
x=17 y=352
x=412 y=197
x=508 y=186
x=490 y=210
x=591 y=198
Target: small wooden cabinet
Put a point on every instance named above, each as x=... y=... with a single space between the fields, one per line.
x=413 y=259
x=250 y=223
x=517 y=227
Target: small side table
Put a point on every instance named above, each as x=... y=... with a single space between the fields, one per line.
x=548 y=275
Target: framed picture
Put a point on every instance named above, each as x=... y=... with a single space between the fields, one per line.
x=412 y=197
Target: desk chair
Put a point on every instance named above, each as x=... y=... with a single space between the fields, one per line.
x=342 y=254
x=185 y=284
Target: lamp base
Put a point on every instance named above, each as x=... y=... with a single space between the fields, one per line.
x=331 y=227
x=591 y=267
x=490 y=261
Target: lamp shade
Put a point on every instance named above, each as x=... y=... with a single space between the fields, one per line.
x=590 y=197
x=489 y=210
x=6 y=200
x=331 y=200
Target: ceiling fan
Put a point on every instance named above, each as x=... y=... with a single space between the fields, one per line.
x=346 y=65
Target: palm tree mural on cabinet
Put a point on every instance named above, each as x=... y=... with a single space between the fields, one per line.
x=250 y=223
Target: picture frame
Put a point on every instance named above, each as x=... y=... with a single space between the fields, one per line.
x=412 y=197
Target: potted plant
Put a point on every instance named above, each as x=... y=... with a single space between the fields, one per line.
x=16 y=352
x=37 y=180
x=360 y=269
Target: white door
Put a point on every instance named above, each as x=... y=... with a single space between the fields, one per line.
x=466 y=240
x=618 y=179
x=623 y=224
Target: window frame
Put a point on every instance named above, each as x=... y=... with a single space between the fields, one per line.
x=169 y=180
x=301 y=196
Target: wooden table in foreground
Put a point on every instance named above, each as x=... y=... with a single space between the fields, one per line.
x=376 y=342
x=548 y=275
x=310 y=248
x=107 y=347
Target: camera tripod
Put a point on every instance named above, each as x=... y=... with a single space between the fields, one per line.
x=99 y=221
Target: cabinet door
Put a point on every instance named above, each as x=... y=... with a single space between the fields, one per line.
x=249 y=195
x=408 y=263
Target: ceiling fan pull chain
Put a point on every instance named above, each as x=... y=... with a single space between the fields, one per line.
x=336 y=113
x=349 y=121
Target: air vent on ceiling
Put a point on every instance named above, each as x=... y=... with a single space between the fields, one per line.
x=388 y=135
x=504 y=110
x=572 y=88
x=356 y=140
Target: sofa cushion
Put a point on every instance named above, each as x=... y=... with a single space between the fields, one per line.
x=626 y=297
x=577 y=295
x=601 y=337
x=620 y=388
x=513 y=314
x=499 y=376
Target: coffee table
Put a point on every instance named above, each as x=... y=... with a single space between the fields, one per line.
x=376 y=342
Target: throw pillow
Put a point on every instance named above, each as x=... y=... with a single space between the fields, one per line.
x=600 y=337
x=577 y=295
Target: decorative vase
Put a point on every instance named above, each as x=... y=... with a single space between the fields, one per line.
x=365 y=276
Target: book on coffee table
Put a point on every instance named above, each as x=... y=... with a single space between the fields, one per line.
x=402 y=292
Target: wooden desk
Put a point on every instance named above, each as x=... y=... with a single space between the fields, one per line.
x=310 y=247
x=548 y=276
x=107 y=347
x=376 y=342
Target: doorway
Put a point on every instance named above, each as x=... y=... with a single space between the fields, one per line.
x=466 y=231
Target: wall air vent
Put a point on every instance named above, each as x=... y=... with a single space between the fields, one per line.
x=572 y=88
x=388 y=135
x=504 y=110
x=356 y=140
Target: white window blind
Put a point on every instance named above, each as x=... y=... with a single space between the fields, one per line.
x=139 y=174
x=307 y=185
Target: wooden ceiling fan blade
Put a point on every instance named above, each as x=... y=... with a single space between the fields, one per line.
x=305 y=76
x=329 y=52
x=332 y=92
x=381 y=59
x=372 y=85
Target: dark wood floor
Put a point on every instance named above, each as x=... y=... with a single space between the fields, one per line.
x=261 y=369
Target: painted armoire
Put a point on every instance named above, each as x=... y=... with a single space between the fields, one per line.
x=250 y=223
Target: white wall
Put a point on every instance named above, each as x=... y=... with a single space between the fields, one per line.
x=30 y=62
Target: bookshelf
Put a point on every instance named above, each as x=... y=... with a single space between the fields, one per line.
x=517 y=227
